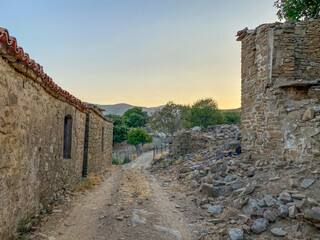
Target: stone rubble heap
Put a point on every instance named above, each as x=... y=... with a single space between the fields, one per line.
x=220 y=138
x=239 y=198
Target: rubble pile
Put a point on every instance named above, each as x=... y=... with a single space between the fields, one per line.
x=219 y=138
x=239 y=198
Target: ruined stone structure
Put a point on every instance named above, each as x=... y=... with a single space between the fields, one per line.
x=213 y=138
x=43 y=130
x=281 y=91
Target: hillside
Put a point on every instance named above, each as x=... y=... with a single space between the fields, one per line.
x=120 y=108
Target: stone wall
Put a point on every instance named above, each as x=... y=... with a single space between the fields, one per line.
x=100 y=142
x=42 y=138
x=32 y=167
x=280 y=100
x=213 y=138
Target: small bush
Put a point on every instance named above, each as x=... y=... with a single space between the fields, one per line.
x=115 y=161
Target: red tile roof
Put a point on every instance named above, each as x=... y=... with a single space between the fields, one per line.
x=21 y=61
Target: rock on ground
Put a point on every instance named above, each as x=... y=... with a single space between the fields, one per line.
x=260 y=225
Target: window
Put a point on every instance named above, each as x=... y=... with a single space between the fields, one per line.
x=67 y=137
x=102 y=139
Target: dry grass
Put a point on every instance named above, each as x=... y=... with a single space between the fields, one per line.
x=133 y=157
x=228 y=213
x=112 y=168
x=90 y=182
x=134 y=185
x=159 y=155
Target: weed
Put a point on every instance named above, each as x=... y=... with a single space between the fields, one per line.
x=115 y=161
x=88 y=183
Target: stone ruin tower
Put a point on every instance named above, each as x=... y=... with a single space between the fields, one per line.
x=280 y=93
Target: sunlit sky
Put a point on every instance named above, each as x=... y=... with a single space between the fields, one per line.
x=141 y=52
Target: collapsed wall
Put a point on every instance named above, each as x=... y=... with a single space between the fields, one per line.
x=280 y=98
x=214 y=138
x=42 y=138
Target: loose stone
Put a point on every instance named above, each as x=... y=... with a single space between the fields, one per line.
x=260 y=225
x=279 y=232
x=236 y=234
x=306 y=183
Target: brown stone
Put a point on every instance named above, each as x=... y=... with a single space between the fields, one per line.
x=34 y=166
x=308 y=114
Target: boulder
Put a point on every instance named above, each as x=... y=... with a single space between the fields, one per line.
x=260 y=225
x=270 y=215
x=209 y=190
x=223 y=191
x=269 y=200
x=293 y=211
x=214 y=209
x=285 y=197
x=283 y=211
x=251 y=171
x=312 y=214
x=251 y=207
x=236 y=234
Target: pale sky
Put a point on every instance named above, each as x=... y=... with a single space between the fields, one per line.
x=141 y=52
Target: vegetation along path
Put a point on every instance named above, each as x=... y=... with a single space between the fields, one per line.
x=129 y=204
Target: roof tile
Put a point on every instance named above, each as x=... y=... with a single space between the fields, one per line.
x=21 y=61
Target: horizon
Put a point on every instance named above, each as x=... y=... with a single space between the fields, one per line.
x=155 y=106
x=142 y=52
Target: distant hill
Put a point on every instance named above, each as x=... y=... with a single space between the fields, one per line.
x=231 y=110
x=120 y=108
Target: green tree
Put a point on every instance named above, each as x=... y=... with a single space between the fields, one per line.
x=135 y=117
x=231 y=117
x=120 y=129
x=205 y=112
x=170 y=119
x=297 y=10
x=137 y=136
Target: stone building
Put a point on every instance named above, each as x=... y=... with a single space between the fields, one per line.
x=98 y=141
x=43 y=131
x=281 y=91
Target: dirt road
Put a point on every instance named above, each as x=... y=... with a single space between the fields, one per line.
x=129 y=204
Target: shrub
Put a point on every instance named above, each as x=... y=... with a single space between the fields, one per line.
x=115 y=161
x=137 y=136
x=205 y=112
x=231 y=117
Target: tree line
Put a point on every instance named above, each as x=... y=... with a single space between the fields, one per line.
x=203 y=113
x=169 y=120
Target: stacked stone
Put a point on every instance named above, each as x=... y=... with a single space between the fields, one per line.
x=281 y=91
x=213 y=137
